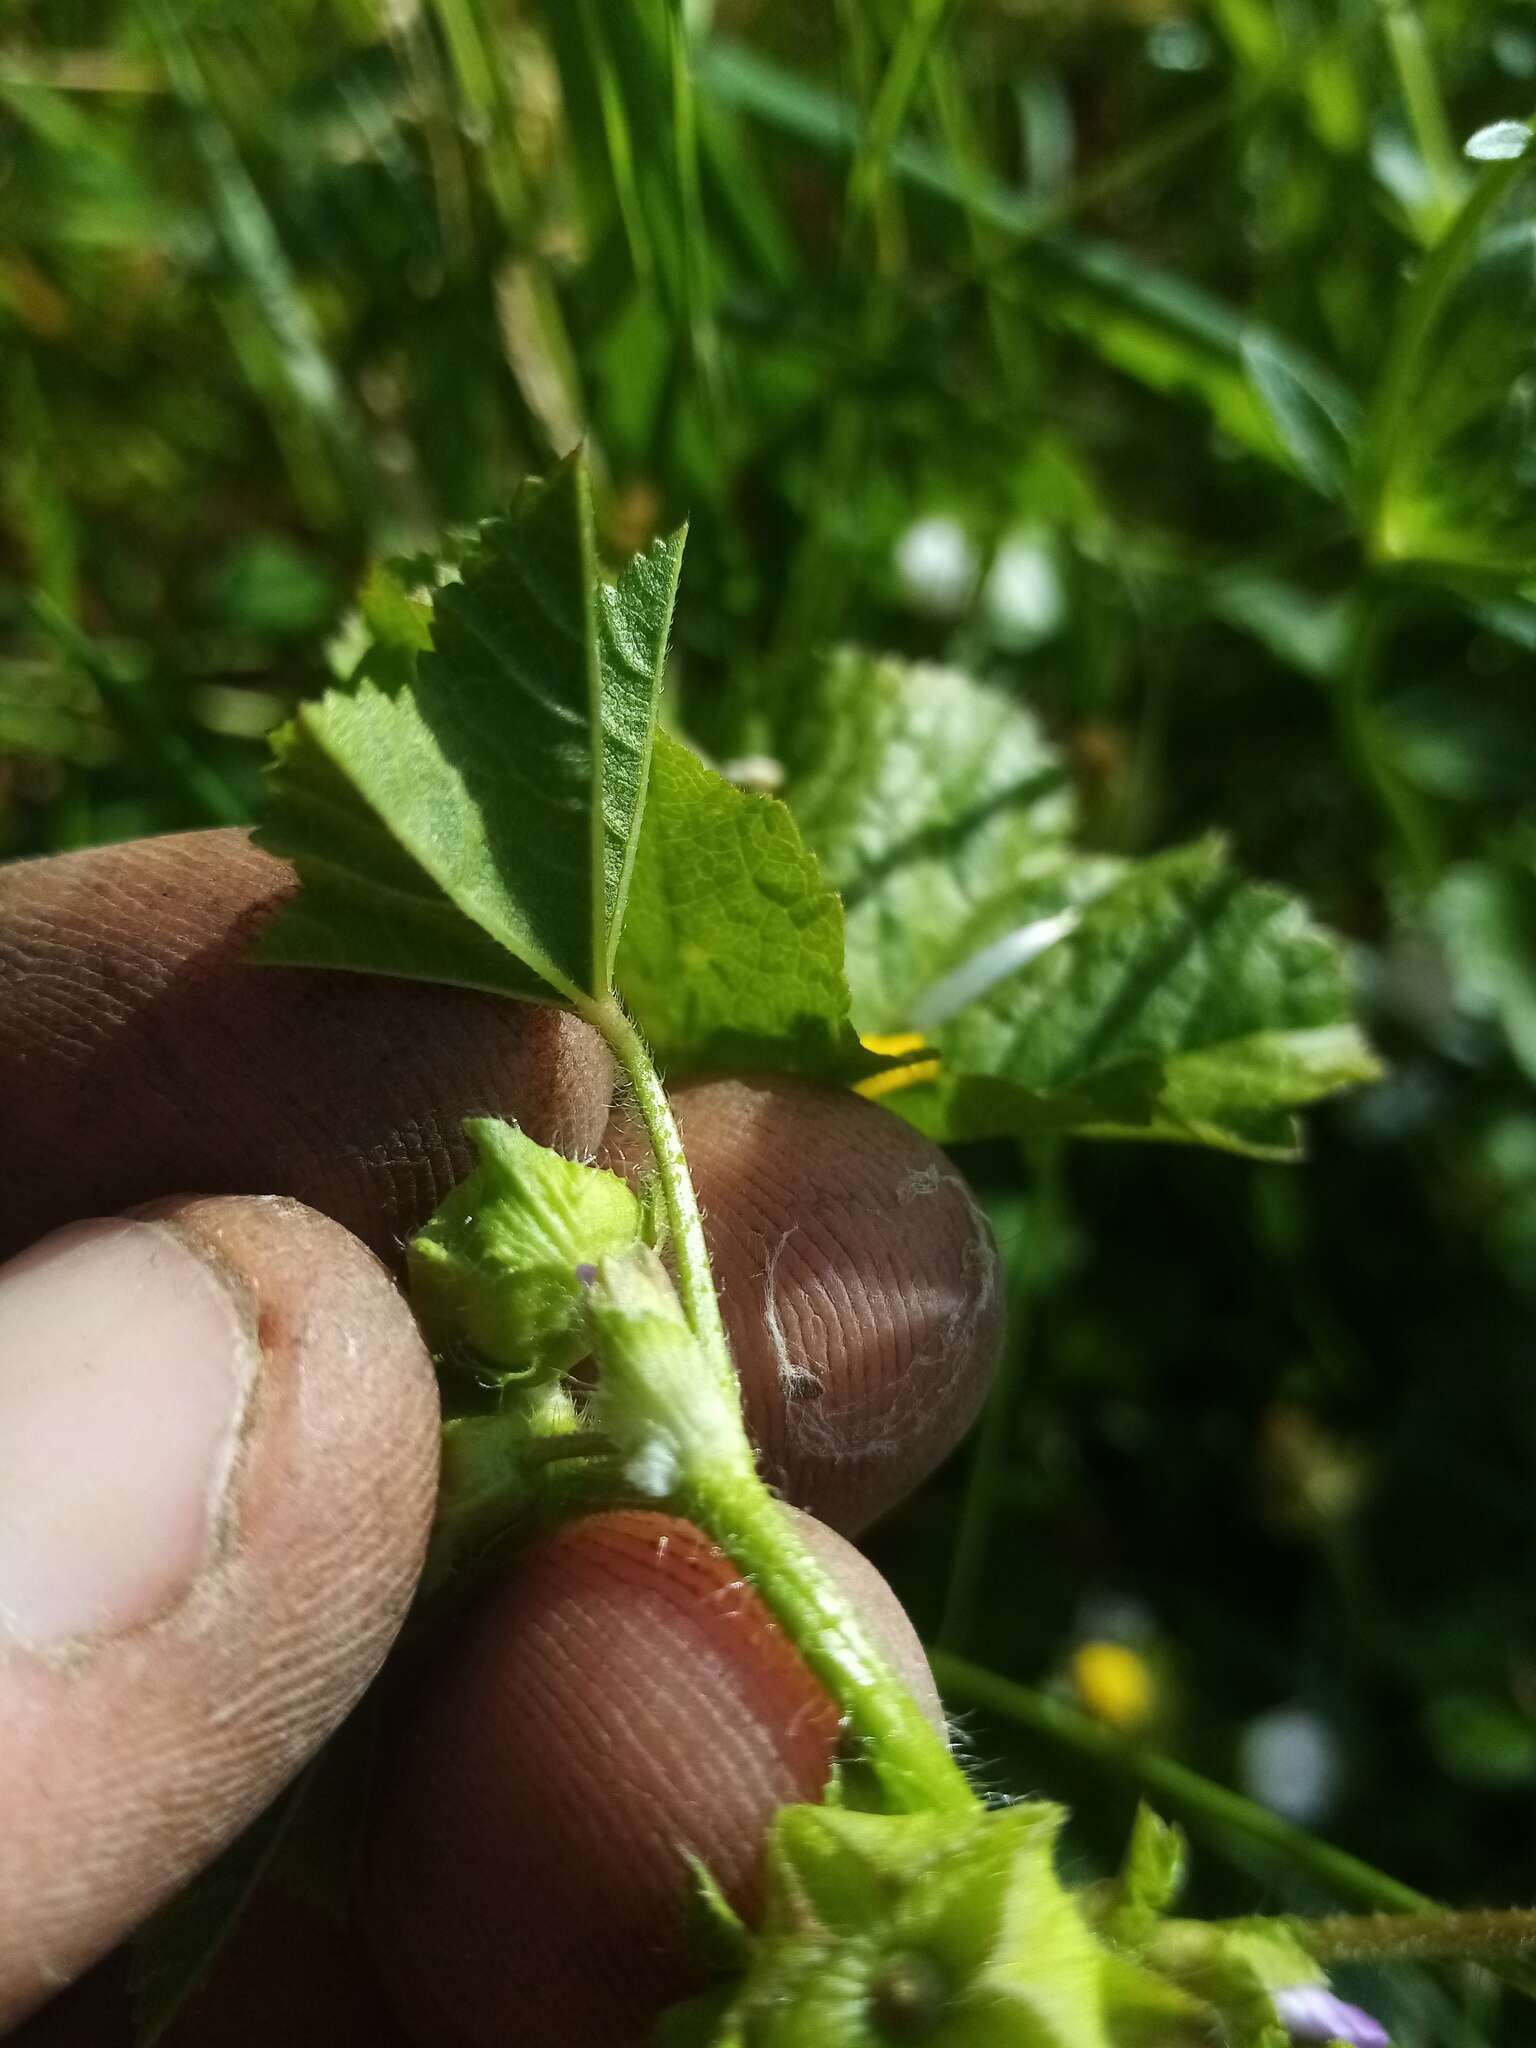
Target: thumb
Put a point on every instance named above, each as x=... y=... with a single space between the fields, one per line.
x=218 y=1451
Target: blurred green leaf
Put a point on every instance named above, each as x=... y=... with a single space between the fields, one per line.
x=1315 y=419
x=1181 y=1003
x=1485 y=913
x=1483 y=1740
x=1155 y=326
x=269 y=586
x=1458 y=488
x=924 y=795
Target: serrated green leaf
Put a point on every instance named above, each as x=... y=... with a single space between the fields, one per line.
x=732 y=952
x=925 y=796
x=365 y=903
x=1181 y=1003
x=507 y=762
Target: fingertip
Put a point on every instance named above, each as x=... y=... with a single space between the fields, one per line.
x=170 y=1665
x=859 y=1281
x=140 y=1050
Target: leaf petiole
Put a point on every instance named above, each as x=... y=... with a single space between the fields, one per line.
x=695 y=1281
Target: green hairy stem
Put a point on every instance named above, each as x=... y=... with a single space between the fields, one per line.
x=695 y=1281
x=721 y=1491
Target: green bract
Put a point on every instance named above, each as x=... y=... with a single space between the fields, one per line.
x=497 y=1266
x=957 y=1931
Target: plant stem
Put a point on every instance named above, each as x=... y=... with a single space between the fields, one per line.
x=1489 y=1935
x=720 y=1490
x=1200 y=1800
x=1425 y=109
x=1417 y=315
x=869 y=179
x=906 y=1753
x=990 y=1455
x=690 y=1254
x=1363 y=742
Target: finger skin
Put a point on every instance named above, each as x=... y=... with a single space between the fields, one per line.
x=623 y=1698
x=859 y=1281
x=127 y=1762
x=140 y=1053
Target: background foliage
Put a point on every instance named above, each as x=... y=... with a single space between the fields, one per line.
x=1171 y=367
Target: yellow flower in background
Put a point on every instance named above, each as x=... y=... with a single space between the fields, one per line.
x=892 y=1045
x=1115 y=1685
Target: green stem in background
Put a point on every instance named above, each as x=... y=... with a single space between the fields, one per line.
x=482 y=85
x=621 y=154
x=1417 y=317
x=968 y=1564
x=1409 y=820
x=1222 y=1814
x=1489 y=1935
x=1197 y=1799
x=869 y=181
x=1425 y=109
x=257 y=253
x=989 y=1458
x=697 y=283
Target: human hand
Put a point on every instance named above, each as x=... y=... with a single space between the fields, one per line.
x=218 y=1446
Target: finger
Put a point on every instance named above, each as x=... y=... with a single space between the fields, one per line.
x=620 y=1702
x=218 y=1454
x=859 y=1281
x=140 y=1051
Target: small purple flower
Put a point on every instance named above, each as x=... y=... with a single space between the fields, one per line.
x=1310 y=2012
x=587 y=1275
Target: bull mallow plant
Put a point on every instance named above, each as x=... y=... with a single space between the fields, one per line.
x=489 y=800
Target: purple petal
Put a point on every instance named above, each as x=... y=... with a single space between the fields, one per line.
x=1310 y=2012
x=587 y=1275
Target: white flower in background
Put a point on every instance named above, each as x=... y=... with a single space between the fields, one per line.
x=1179 y=44
x=1289 y=1761
x=937 y=565
x=1024 y=599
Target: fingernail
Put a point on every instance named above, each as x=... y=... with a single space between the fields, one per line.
x=125 y=1367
